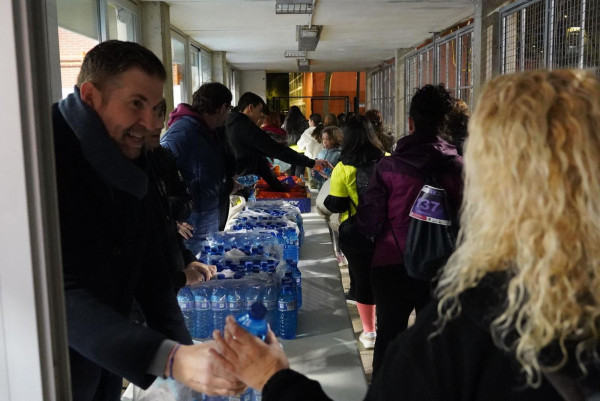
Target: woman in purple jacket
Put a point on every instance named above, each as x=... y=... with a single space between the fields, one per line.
x=384 y=211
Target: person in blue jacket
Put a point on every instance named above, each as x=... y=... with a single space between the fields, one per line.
x=197 y=139
x=332 y=142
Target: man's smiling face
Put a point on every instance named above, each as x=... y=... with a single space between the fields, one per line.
x=127 y=106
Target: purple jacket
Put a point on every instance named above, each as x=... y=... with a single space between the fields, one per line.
x=395 y=184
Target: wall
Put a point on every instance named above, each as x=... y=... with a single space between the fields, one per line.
x=254 y=81
x=342 y=84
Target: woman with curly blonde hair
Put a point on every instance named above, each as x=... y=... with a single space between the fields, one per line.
x=531 y=223
x=518 y=309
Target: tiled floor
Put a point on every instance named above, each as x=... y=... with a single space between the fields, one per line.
x=365 y=354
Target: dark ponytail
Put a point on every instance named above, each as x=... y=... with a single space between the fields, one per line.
x=318 y=132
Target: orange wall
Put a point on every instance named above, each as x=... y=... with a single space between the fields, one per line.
x=342 y=84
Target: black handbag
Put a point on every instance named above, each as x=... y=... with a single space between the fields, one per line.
x=432 y=233
x=352 y=241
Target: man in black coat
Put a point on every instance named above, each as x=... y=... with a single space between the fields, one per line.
x=251 y=145
x=109 y=243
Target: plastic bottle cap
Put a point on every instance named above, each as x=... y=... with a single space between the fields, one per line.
x=258 y=311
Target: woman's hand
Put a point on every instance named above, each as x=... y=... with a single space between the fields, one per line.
x=248 y=358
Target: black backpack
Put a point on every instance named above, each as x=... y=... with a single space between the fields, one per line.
x=432 y=232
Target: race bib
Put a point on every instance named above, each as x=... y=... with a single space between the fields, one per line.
x=430 y=206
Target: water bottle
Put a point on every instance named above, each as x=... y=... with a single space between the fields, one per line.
x=235 y=300
x=253 y=295
x=254 y=320
x=291 y=249
x=247 y=180
x=288 y=279
x=297 y=276
x=247 y=396
x=186 y=303
x=218 y=306
x=270 y=303
x=203 y=318
x=288 y=314
x=215 y=398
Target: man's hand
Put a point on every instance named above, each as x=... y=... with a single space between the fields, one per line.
x=196 y=272
x=247 y=357
x=323 y=163
x=185 y=230
x=206 y=272
x=203 y=371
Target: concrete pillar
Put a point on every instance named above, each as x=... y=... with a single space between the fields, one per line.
x=235 y=89
x=400 y=128
x=156 y=36
x=219 y=67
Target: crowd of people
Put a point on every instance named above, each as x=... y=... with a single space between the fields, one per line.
x=513 y=314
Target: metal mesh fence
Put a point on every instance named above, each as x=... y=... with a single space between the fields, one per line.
x=523 y=31
x=383 y=88
x=465 y=70
x=447 y=65
x=447 y=61
x=550 y=34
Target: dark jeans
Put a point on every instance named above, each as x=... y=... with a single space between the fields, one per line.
x=204 y=223
x=396 y=295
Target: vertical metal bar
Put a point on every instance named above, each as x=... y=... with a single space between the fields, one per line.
x=458 y=54
x=103 y=20
x=502 y=44
x=581 y=33
x=549 y=46
x=522 y=41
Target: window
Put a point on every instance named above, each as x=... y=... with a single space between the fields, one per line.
x=206 y=66
x=179 y=67
x=121 y=18
x=82 y=24
x=195 y=68
x=78 y=32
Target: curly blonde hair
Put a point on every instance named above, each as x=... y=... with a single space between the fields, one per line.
x=531 y=209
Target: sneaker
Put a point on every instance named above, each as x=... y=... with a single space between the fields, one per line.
x=341 y=260
x=368 y=339
x=350 y=298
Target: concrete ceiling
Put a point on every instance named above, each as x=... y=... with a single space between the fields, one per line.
x=357 y=34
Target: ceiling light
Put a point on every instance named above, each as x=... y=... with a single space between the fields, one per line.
x=293 y=7
x=308 y=37
x=295 y=53
x=303 y=64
